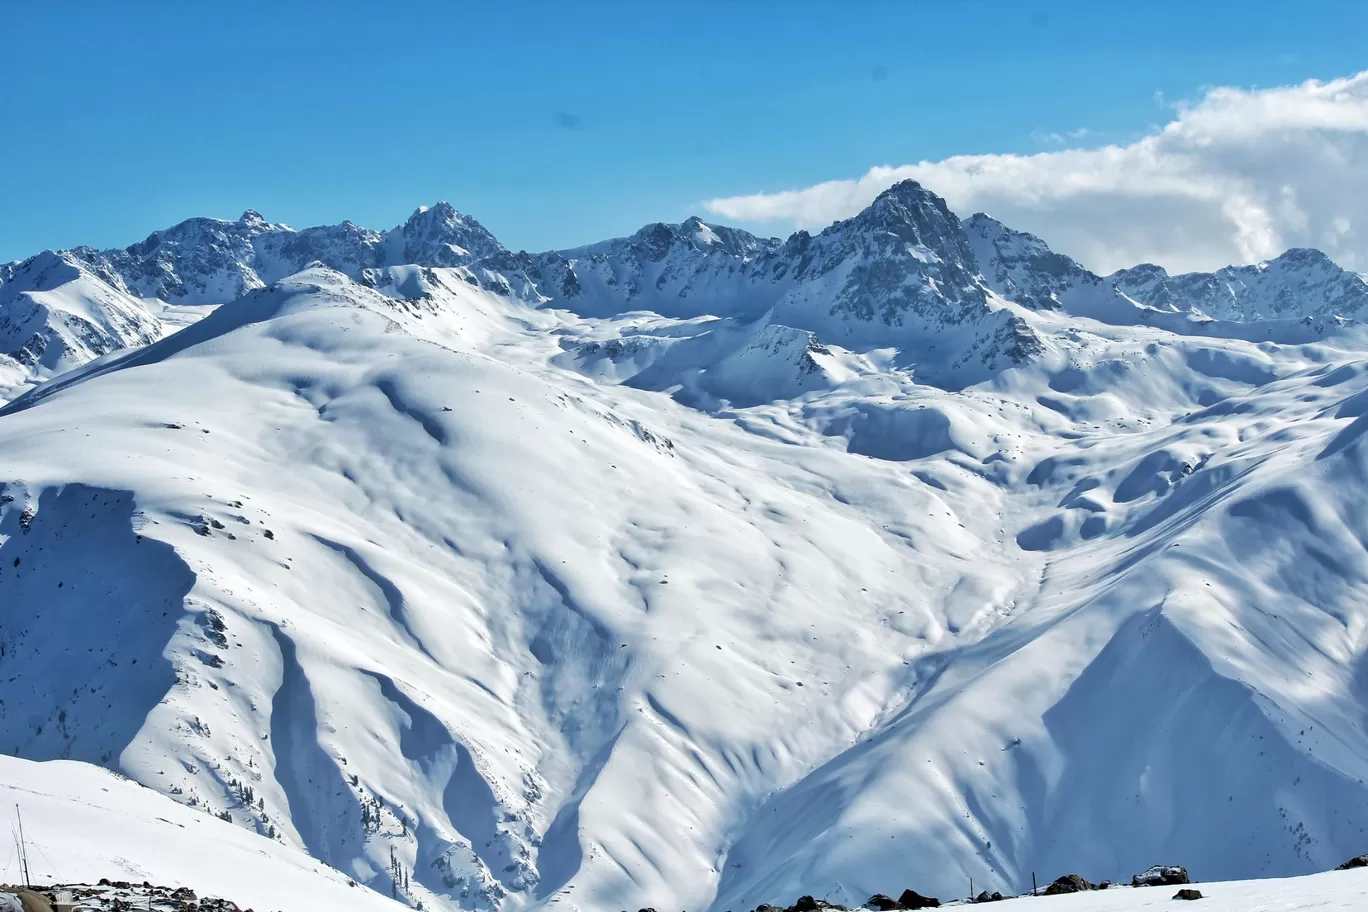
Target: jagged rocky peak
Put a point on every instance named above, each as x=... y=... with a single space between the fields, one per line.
x=654 y=242
x=905 y=258
x=1299 y=283
x=440 y=235
x=915 y=215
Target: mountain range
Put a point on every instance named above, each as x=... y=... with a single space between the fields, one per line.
x=694 y=569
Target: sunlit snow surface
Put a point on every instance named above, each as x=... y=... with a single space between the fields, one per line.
x=627 y=611
x=82 y=824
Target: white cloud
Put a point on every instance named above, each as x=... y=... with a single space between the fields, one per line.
x=1237 y=177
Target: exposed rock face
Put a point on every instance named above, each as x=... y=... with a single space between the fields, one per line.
x=1069 y=883
x=911 y=899
x=1020 y=266
x=55 y=314
x=212 y=261
x=1299 y=283
x=1161 y=876
x=902 y=273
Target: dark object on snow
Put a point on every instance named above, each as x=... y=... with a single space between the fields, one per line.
x=1070 y=883
x=34 y=902
x=1161 y=876
x=1103 y=885
x=808 y=904
x=882 y=902
x=985 y=896
x=1358 y=861
x=911 y=899
x=1188 y=894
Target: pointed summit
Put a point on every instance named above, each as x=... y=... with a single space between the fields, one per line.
x=439 y=235
x=909 y=215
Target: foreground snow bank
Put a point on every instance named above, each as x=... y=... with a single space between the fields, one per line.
x=1327 y=892
x=83 y=823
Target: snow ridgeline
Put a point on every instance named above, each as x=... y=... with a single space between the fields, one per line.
x=640 y=576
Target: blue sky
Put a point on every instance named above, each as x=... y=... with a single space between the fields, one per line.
x=558 y=124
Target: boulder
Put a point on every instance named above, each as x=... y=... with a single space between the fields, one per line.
x=1358 y=861
x=1069 y=883
x=911 y=899
x=1188 y=894
x=809 y=904
x=1161 y=876
x=883 y=903
x=985 y=896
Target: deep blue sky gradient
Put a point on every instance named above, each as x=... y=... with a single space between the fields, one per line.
x=561 y=123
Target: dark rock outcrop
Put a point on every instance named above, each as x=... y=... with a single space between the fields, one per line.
x=1069 y=883
x=911 y=899
x=1188 y=894
x=1161 y=876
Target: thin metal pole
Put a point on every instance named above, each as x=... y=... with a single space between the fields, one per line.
x=23 y=848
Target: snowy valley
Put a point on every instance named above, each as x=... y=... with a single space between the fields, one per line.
x=692 y=569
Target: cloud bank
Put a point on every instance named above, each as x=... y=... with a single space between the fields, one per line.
x=1237 y=177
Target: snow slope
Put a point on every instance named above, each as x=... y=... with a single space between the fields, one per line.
x=607 y=599
x=1331 y=891
x=83 y=823
x=55 y=314
x=61 y=309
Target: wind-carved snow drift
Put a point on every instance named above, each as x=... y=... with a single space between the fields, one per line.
x=693 y=569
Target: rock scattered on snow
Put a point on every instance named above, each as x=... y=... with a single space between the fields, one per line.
x=1161 y=876
x=1069 y=883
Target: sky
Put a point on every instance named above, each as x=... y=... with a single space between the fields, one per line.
x=558 y=124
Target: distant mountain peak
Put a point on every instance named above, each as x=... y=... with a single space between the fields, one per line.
x=440 y=235
x=906 y=197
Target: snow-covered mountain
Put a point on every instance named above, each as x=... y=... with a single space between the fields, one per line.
x=56 y=314
x=900 y=272
x=211 y=261
x=59 y=309
x=1300 y=284
x=696 y=570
